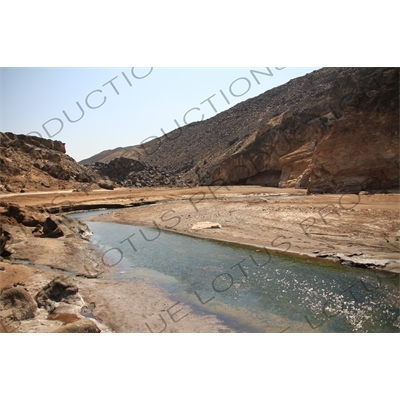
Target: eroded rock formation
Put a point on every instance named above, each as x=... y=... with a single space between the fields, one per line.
x=345 y=139
x=32 y=163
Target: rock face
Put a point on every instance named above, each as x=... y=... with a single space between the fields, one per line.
x=344 y=139
x=295 y=165
x=361 y=152
x=333 y=130
x=32 y=163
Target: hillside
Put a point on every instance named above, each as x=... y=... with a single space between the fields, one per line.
x=333 y=130
x=31 y=163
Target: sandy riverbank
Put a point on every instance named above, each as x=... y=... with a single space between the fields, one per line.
x=123 y=306
x=359 y=229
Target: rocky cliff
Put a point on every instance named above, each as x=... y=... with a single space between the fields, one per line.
x=33 y=163
x=333 y=130
x=342 y=137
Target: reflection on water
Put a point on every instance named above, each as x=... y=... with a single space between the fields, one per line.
x=252 y=290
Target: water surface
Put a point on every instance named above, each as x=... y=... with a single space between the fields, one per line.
x=251 y=290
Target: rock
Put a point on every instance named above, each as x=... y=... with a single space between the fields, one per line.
x=19 y=153
x=4 y=238
x=51 y=229
x=33 y=219
x=106 y=185
x=14 y=211
x=59 y=289
x=25 y=216
x=10 y=188
x=38 y=231
x=131 y=172
x=19 y=302
x=342 y=141
x=66 y=318
x=206 y=225
x=69 y=225
x=82 y=326
x=295 y=166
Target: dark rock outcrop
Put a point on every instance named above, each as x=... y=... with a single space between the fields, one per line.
x=4 y=238
x=51 y=229
x=129 y=172
x=27 y=216
x=59 y=289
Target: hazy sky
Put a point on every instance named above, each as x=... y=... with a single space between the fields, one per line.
x=123 y=106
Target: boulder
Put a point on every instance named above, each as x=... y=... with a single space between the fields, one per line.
x=51 y=229
x=19 y=302
x=82 y=326
x=206 y=225
x=59 y=289
x=106 y=184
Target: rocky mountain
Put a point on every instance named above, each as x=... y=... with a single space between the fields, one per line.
x=333 y=130
x=32 y=163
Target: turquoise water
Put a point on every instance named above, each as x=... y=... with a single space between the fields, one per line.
x=251 y=290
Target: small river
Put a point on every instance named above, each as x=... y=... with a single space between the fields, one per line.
x=249 y=289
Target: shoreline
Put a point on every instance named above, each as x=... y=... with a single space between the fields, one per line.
x=282 y=239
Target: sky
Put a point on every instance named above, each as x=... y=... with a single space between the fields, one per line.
x=121 y=107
